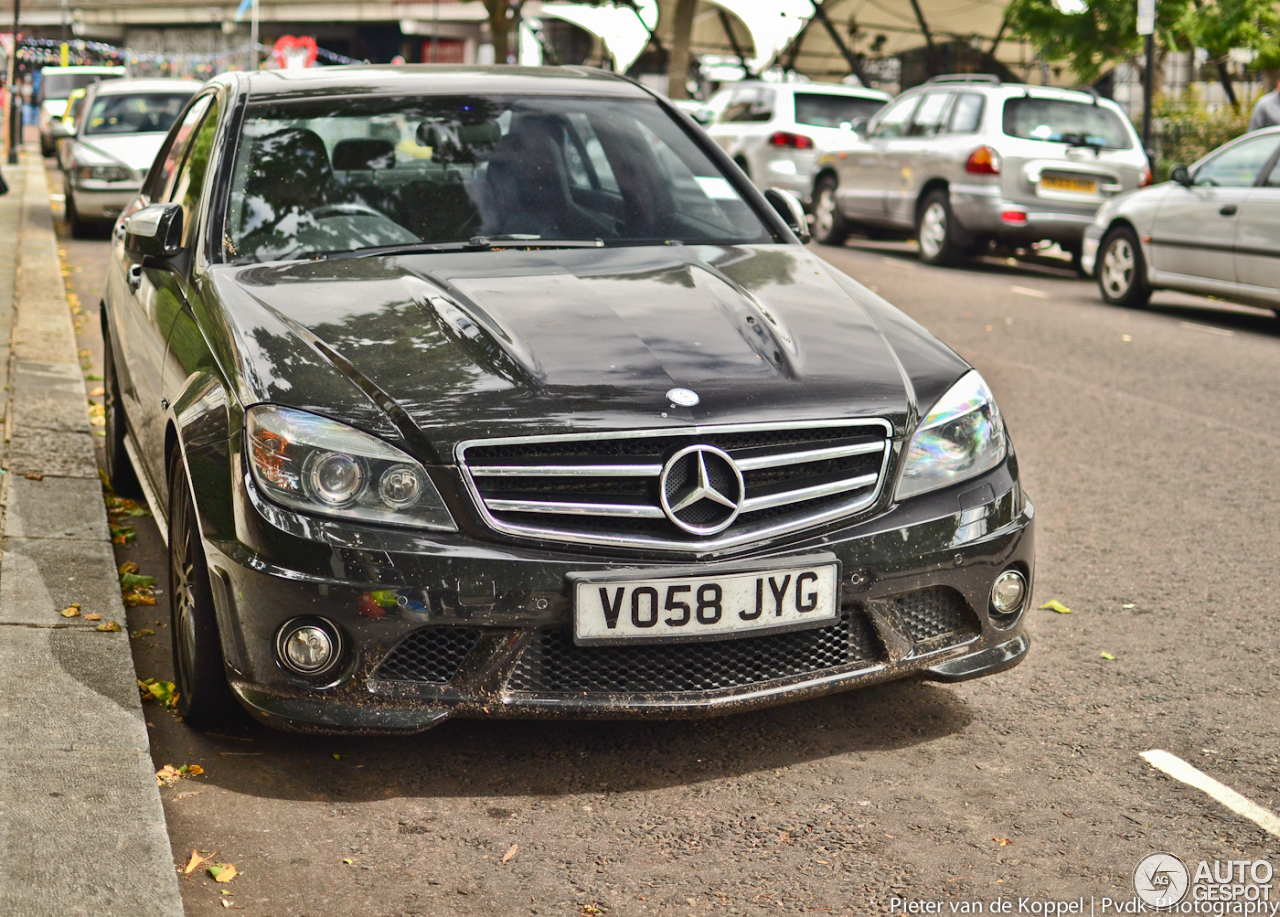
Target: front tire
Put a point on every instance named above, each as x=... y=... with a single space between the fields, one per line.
x=936 y=231
x=1122 y=272
x=199 y=673
x=829 y=226
x=80 y=228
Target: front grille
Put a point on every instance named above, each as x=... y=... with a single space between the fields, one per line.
x=554 y=664
x=430 y=655
x=934 y=612
x=610 y=489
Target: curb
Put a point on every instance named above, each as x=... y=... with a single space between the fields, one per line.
x=82 y=830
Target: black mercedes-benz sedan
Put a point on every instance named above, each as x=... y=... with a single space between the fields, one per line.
x=502 y=392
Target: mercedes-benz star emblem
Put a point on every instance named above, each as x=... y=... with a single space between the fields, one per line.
x=702 y=490
x=682 y=397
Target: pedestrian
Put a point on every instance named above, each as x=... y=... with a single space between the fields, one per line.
x=1267 y=112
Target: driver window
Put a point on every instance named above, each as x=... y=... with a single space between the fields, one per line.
x=893 y=121
x=929 y=116
x=1240 y=166
x=189 y=187
x=159 y=183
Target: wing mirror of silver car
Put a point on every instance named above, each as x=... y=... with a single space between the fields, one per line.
x=61 y=130
x=1182 y=175
x=154 y=230
x=791 y=212
x=857 y=125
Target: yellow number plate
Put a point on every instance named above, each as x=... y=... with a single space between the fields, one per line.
x=1077 y=185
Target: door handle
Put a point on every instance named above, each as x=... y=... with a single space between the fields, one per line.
x=1228 y=210
x=135 y=276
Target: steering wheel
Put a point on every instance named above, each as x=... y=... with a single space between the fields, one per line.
x=325 y=211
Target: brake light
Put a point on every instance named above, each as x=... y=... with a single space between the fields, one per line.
x=1016 y=217
x=1146 y=177
x=983 y=161
x=788 y=139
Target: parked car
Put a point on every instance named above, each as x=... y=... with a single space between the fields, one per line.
x=966 y=160
x=56 y=86
x=501 y=392
x=65 y=127
x=773 y=131
x=1214 y=229
x=108 y=149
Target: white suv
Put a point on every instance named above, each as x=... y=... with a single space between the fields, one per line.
x=965 y=160
x=773 y=131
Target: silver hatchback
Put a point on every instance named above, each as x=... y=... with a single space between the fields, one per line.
x=963 y=161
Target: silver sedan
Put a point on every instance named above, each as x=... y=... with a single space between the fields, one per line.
x=1213 y=229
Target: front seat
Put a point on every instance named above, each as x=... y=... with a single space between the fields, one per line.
x=289 y=175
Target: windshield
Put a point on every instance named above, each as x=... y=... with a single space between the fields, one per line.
x=825 y=110
x=1061 y=121
x=141 y=114
x=60 y=85
x=329 y=176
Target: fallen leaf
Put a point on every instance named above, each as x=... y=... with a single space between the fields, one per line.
x=348 y=862
x=230 y=906
x=98 y=392
x=167 y=776
x=337 y=757
x=1055 y=605
x=93 y=617
x=109 y=627
x=1128 y=605
x=1003 y=842
x=196 y=859
x=223 y=873
x=134 y=580
x=1107 y=656
x=71 y=611
x=145 y=632
x=162 y=692
x=510 y=854
x=33 y=476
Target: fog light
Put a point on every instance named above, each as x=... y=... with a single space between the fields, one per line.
x=1009 y=592
x=308 y=647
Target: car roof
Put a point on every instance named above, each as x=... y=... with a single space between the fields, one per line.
x=838 y=89
x=95 y=68
x=130 y=87
x=394 y=79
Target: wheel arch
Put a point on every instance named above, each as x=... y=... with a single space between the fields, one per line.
x=932 y=185
x=1122 y=221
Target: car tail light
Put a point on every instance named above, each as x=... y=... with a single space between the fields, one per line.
x=788 y=139
x=1145 y=179
x=1016 y=217
x=983 y=161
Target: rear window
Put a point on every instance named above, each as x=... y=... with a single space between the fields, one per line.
x=1062 y=121
x=827 y=110
x=60 y=85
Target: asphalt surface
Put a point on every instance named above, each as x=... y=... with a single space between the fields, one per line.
x=1150 y=444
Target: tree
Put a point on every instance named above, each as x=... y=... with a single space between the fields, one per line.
x=681 y=36
x=1102 y=34
x=499 y=28
x=1218 y=26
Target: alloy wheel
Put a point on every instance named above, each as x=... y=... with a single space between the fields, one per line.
x=824 y=212
x=1118 y=266
x=933 y=229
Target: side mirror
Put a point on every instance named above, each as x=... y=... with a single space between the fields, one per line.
x=791 y=212
x=154 y=230
x=61 y=130
x=1182 y=175
x=859 y=125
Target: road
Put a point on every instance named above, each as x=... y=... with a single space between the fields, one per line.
x=1150 y=444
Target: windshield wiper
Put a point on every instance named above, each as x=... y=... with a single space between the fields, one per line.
x=474 y=244
x=1081 y=140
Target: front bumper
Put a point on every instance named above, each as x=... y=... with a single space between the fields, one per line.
x=97 y=200
x=980 y=208
x=1089 y=249
x=487 y=623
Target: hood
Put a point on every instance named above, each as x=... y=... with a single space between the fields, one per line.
x=137 y=151
x=485 y=344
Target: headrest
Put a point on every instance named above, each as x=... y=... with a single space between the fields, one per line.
x=359 y=153
x=452 y=141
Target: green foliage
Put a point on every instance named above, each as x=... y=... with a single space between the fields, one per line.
x=1186 y=129
x=1092 y=40
x=1220 y=25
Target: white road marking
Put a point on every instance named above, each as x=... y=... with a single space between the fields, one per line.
x=1027 y=291
x=1194 y=327
x=902 y=264
x=1178 y=769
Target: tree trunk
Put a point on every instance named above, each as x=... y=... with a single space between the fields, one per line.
x=1225 y=76
x=678 y=63
x=499 y=28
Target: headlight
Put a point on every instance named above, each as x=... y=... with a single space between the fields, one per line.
x=321 y=466
x=103 y=173
x=962 y=437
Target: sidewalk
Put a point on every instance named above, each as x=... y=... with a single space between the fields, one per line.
x=82 y=831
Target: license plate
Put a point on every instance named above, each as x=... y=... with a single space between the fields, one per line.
x=1075 y=185
x=643 y=607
